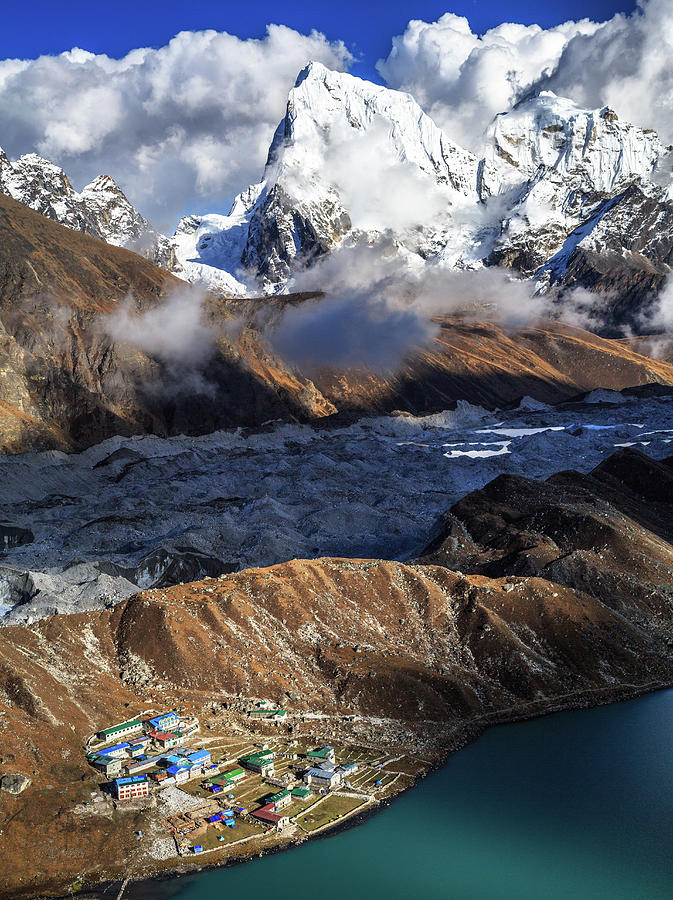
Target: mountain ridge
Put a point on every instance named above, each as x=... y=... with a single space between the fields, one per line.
x=352 y=163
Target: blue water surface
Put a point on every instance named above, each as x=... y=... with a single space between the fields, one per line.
x=575 y=805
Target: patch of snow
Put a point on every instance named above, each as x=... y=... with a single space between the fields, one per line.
x=479 y=454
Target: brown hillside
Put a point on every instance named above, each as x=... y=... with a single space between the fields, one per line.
x=567 y=601
x=64 y=383
x=485 y=365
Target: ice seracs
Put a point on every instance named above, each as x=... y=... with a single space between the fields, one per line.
x=567 y=168
x=592 y=148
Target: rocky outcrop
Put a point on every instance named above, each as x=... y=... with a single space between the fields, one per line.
x=608 y=534
x=15 y=784
x=14 y=536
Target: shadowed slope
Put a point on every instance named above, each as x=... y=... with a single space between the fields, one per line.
x=65 y=383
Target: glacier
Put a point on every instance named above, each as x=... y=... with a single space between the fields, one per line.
x=148 y=511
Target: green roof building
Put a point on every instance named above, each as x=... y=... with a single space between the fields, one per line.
x=133 y=726
x=261 y=762
x=282 y=798
x=301 y=793
x=322 y=753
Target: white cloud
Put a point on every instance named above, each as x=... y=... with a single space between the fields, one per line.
x=658 y=315
x=380 y=190
x=463 y=79
x=625 y=64
x=173 y=331
x=377 y=309
x=182 y=128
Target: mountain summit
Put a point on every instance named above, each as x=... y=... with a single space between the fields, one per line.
x=564 y=195
x=349 y=159
x=356 y=162
x=101 y=209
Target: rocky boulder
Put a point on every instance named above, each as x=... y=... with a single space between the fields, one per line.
x=15 y=784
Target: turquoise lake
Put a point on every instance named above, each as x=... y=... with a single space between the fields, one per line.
x=574 y=805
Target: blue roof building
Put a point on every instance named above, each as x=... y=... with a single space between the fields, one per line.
x=132 y=787
x=117 y=749
x=164 y=722
x=200 y=756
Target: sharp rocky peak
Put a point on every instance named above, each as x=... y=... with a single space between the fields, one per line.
x=340 y=145
x=101 y=209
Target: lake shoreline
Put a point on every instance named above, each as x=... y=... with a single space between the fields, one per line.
x=148 y=887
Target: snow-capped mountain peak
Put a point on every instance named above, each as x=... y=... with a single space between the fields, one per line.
x=555 y=189
x=101 y=209
x=349 y=160
x=593 y=147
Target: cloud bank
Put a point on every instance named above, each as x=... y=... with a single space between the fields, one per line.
x=377 y=310
x=181 y=128
x=463 y=79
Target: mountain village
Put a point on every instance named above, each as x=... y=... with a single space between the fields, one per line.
x=213 y=793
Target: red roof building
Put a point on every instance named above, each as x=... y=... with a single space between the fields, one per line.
x=267 y=814
x=166 y=738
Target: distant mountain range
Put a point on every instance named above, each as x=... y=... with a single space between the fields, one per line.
x=563 y=195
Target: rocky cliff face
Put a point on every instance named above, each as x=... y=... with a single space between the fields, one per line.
x=593 y=203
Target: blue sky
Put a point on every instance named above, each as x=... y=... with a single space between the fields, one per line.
x=367 y=27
